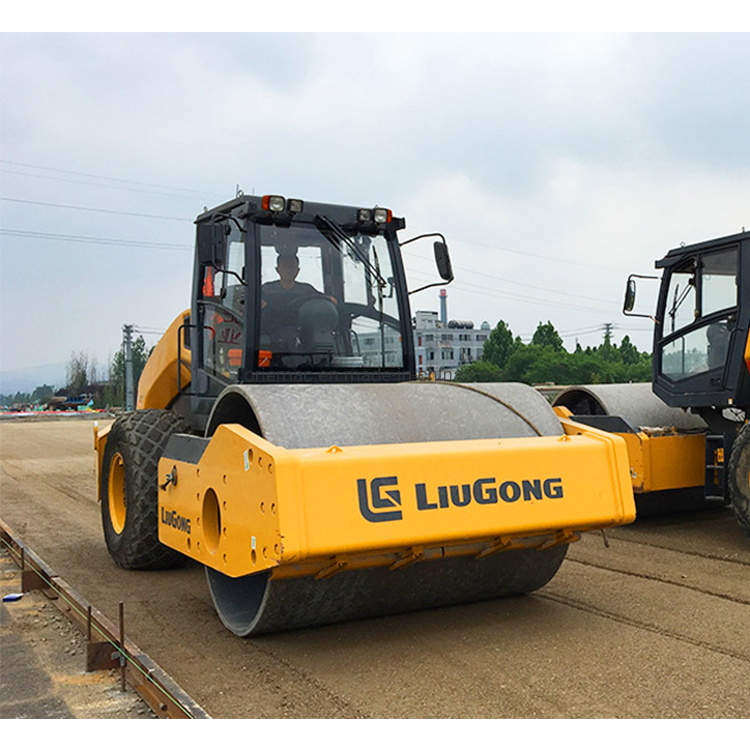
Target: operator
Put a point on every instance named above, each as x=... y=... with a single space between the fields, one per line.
x=718 y=343
x=281 y=300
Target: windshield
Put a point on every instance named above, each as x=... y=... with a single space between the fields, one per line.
x=328 y=299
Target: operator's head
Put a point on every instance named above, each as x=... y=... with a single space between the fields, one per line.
x=287 y=266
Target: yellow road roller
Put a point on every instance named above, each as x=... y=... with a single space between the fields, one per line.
x=282 y=440
x=687 y=431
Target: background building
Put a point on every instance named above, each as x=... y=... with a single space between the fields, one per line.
x=441 y=345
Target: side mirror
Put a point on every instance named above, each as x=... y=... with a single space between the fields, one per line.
x=629 y=302
x=212 y=244
x=443 y=261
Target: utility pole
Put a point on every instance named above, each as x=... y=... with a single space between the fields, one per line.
x=127 y=342
x=608 y=332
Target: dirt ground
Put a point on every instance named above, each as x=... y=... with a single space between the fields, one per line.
x=43 y=663
x=654 y=626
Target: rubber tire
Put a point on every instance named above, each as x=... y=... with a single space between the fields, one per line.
x=134 y=446
x=739 y=478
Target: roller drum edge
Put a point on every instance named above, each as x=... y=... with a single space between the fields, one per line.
x=254 y=605
x=636 y=403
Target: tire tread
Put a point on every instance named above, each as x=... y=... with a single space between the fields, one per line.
x=739 y=478
x=140 y=438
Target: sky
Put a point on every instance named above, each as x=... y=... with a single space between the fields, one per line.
x=555 y=164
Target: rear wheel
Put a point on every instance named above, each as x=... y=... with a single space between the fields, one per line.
x=739 y=478
x=129 y=488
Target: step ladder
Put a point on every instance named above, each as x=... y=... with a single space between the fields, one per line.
x=715 y=486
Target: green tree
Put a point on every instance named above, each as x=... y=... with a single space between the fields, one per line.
x=42 y=393
x=114 y=393
x=535 y=364
x=480 y=371
x=628 y=353
x=500 y=345
x=546 y=336
x=520 y=364
x=18 y=397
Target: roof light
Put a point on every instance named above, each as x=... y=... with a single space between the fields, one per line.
x=364 y=215
x=382 y=215
x=295 y=205
x=274 y=203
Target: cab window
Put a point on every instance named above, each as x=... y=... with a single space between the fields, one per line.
x=719 y=282
x=222 y=311
x=699 y=291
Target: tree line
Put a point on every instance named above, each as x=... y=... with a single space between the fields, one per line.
x=545 y=360
x=504 y=358
x=84 y=378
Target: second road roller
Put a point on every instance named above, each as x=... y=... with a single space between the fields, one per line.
x=688 y=431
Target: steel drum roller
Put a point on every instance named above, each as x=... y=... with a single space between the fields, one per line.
x=636 y=403
x=308 y=416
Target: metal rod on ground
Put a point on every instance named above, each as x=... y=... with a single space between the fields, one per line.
x=122 y=646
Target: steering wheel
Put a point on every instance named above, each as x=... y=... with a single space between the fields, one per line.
x=294 y=305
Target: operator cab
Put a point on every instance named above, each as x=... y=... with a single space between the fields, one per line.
x=701 y=323
x=292 y=291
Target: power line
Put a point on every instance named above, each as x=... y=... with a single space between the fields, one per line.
x=96 y=240
x=581 y=331
x=493 y=292
x=97 y=177
x=513 y=282
x=97 y=210
x=526 y=254
x=201 y=197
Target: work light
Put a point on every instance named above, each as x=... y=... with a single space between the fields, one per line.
x=274 y=203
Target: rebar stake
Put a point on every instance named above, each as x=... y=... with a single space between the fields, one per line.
x=122 y=647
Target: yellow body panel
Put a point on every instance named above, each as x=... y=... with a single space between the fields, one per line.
x=100 y=443
x=158 y=385
x=660 y=460
x=666 y=461
x=247 y=505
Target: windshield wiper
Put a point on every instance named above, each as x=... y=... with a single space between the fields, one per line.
x=678 y=301
x=327 y=226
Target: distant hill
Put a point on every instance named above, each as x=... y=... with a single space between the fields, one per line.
x=28 y=378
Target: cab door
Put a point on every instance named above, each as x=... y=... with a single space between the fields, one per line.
x=698 y=341
x=221 y=312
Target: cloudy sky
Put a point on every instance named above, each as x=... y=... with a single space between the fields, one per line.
x=554 y=164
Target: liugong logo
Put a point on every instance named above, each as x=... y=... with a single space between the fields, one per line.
x=380 y=504
x=382 y=500
x=176 y=521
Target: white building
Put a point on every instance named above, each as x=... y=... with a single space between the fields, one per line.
x=441 y=346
